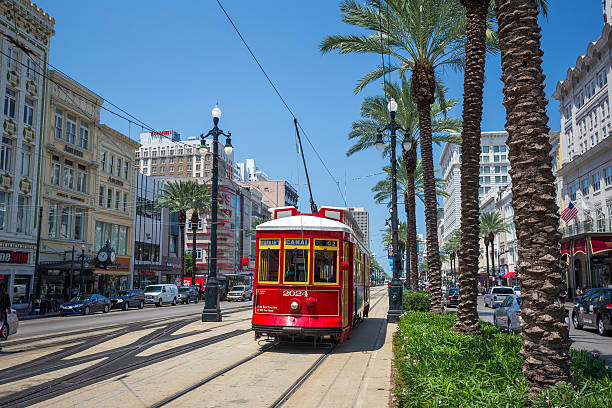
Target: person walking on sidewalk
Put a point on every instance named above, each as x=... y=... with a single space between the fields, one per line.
x=5 y=309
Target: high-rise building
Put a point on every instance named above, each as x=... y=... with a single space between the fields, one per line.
x=584 y=175
x=362 y=218
x=248 y=171
x=494 y=167
x=24 y=26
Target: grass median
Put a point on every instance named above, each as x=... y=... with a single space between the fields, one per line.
x=437 y=367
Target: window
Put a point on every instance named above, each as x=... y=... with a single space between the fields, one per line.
x=504 y=179
x=495 y=149
x=66 y=223
x=145 y=153
x=57 y=124
x=296 y=260
x=502 y=148
x=68 y=174
x=52 y=221
x=118 y=201
x=497 y=179
x=115 y=234
x=118 y=167
x=497 y=169
x=504 y=169
x=154 y=153
x=153 y=169
x=496 y=158
x=111 y=165
x=84 y=135
x=126 y=170
x=23 y=210
x=125 y=202
x=70 y=128
x=585 y=187
x=137 y=155
x=162 y=169
x=487 y=180
x=485 y=149
x=162 y=160
x=171 y=160
x=325 y=261
x=199 y=253
x=103 y=161
x=171 y=152
x=485 y=159
x=190 y=227
x=55 y=170
x=180 y=151
x=573 y=193
x=109 y=198
x=180 y=159
x=162 y=152
x=596 y=181
x=180 y=168
x=81 y=179
x=28 y=112
x=12 y=59
x=608 y=176
x=486 y=169
x=79 y=224
x=9 y=103
x=101 y=197
x=30 y=70
x=26 y=159
x=269 y=260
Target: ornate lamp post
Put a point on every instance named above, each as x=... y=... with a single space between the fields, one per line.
x=395 y=291
x=212 y=312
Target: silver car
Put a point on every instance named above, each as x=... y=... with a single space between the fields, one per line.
x=11 y=326
x=241 y=292
x=508 y=315
x=497 y=295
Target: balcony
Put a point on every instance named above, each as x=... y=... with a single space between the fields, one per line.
x=601 y=224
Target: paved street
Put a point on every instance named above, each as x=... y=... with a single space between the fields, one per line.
x=586 y=339
x=144 y=358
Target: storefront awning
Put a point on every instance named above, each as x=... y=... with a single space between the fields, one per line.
x=601 y=243
x=566 y=247
x=579 y=245
x=509 y=275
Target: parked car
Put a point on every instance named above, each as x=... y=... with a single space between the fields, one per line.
x=128 y=298
x=507 y=315
x=188 y=294
x=497 y=295
x=11 y=326
x=86 y=304
x=451 y=299
x=482 y=289
x=517 y=290
x=594 y=309
x=241 y=293
x=160 y=294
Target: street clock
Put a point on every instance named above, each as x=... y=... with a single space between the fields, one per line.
x=106 y=255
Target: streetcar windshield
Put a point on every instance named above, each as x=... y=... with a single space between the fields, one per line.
x=269 y=264
x=296 y=265
x=325 y=266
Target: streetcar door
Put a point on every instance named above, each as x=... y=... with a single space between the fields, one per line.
x=345 y=285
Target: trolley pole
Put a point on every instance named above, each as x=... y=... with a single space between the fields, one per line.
x=212 y=311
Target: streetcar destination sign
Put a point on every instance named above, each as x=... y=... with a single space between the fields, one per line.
x=297 y=242
x=322 y=242
x=268 y=242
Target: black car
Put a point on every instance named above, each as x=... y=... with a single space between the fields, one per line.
x=594 y=309
x=128 y=298
x=85 y=304
x=188 y=294
x=451 y=299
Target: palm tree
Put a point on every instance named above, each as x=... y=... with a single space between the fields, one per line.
x=491 y=224
x=452 y=247
x=181 y=197
x=423 y=36
x=546 y=361
x=374 y=115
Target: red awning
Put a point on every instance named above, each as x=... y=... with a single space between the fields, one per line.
x=509 y=275
x=566 y=247
x=601 y=243
x=579 y=246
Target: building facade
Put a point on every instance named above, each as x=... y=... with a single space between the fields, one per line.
x=363 y=220
x=494 y=168
x=114 y=215
x=68 y=180
x=248 y=171
x=26 y=35
x=276 y=193
x=585 y=173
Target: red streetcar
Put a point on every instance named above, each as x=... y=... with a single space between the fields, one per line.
x=312 y=275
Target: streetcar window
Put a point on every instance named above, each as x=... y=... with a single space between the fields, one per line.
x=296 y=265
x=325 y=266
x=269 y=262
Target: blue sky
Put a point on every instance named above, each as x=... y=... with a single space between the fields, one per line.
x=168 y=63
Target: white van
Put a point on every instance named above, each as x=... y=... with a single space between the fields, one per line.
x=160 y=294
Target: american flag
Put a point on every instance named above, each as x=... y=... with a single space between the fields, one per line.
x=569 y=213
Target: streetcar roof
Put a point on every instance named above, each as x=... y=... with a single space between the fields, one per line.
x=304 y=222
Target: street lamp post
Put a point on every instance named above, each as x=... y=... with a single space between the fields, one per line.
x=395 y=290
x=212 y=312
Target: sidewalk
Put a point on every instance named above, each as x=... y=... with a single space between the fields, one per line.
x=36 y=316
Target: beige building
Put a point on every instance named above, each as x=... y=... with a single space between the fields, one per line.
x=276 y=193
x=69 y=164
x=113 y=219
x=26 y=34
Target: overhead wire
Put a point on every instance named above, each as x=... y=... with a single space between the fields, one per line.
x=281 y=97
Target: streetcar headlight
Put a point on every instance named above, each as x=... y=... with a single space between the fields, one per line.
x=294 y=305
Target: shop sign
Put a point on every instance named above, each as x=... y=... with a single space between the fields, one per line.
x=14 y=257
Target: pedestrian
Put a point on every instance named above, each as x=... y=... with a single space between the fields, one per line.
x=5 y=309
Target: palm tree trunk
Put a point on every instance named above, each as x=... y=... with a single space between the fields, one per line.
x=423 y=85
x=488 y=282
x=545 y=334
x=410 y=162
x=409 y=241
x=476 y=25
x=182 y=218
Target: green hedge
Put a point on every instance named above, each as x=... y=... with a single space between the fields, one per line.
x=418 y=301
x=440 y=368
